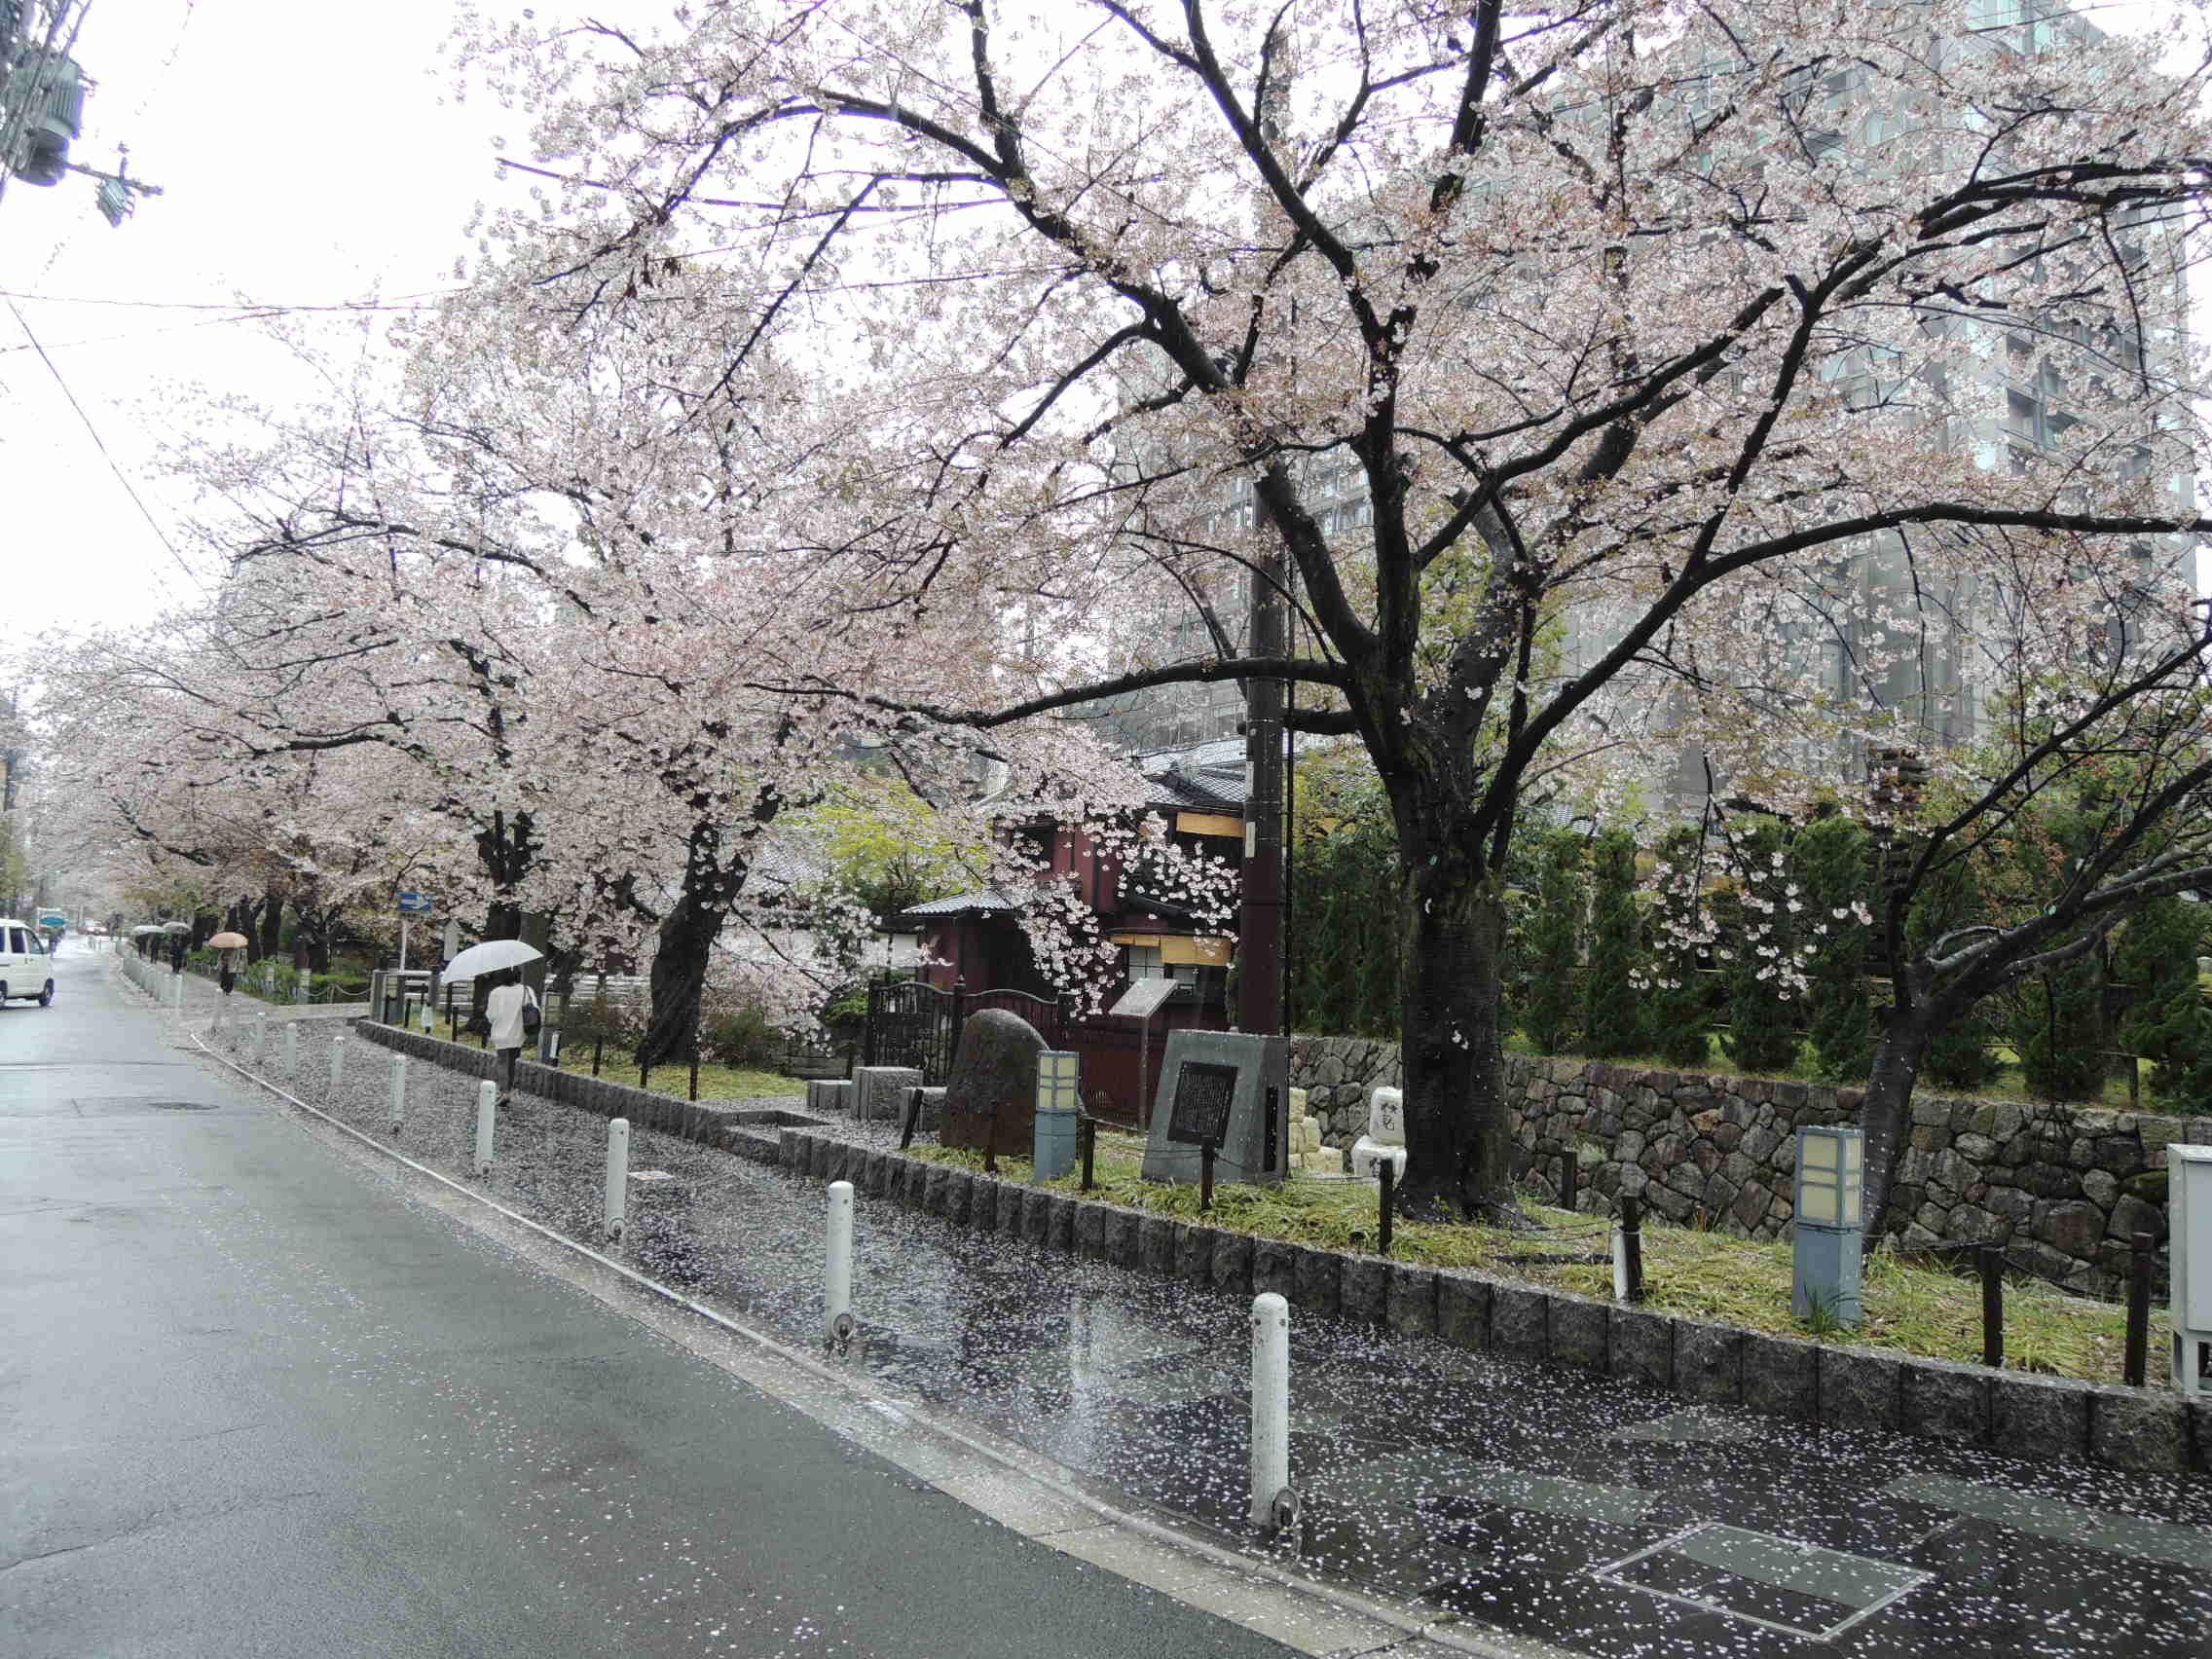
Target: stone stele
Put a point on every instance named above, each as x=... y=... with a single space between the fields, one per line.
x=1255 y=1073
x=995 y=1067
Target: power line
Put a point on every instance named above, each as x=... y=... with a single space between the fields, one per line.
x=101 y=443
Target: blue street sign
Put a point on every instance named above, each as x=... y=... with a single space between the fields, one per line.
x=415 y=904
x=52 y=919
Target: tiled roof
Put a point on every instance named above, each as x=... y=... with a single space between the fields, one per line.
x=984 y=902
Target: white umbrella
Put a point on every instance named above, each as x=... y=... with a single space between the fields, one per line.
x=176 y=927
x=490 y=957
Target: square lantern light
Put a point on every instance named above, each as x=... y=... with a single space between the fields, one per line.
x=1831 y=1177
x=1059 y=1103
x=1059 y=1081
x=1830 y=1212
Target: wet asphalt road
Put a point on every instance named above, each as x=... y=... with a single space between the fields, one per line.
x=253 y=1401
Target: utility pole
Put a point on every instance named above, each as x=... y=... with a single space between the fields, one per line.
x=1259 y=922
x=42 y=104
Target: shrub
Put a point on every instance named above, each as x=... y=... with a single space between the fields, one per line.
x=1958 y=1056
x=2168 y=1023
x=1759 y=936
x=1833 y=871
x=1679 y=1012
x=2058 y=1029
x=1613 y=1013
x=616 y=1022
x=1549 y=1017
x=739 y=1036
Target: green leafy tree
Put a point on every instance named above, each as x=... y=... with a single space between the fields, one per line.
x=1554 y=933
x=1832 y=876
x=1958 y=1054
x=2058 y=1029
x=1613 y=1010
x=1341 y=976
x=1758 y=936
x=2168 y=1023
x=1680 y=1007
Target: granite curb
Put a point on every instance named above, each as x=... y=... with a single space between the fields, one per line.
x=1832 y=1384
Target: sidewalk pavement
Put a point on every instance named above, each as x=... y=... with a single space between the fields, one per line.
x=1573 y=1511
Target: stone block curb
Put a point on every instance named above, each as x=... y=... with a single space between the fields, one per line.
x=1410 y=1302
x=1365 y=1289
x=1709 y=1363
x=1844 y=1387
x=1946 y=1401
x=1860 y=1388
x=1579 y=1331
x=1640 y=1346
x=2038 y=1416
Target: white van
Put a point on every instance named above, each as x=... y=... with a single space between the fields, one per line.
x=25 y=969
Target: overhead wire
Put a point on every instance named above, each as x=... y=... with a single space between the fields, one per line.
x=101 y=443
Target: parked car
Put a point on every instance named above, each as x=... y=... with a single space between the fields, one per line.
x=25 y=969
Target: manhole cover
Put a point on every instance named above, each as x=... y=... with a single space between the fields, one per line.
x=1761 y=1579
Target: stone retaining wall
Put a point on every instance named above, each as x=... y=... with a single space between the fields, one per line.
x=2061 y=1187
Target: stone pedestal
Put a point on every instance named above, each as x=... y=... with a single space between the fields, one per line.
x=879 y=1093
x=1231 y=1084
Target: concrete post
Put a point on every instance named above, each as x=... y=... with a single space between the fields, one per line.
x=398 y=1092
x=617 y=1176
x=337 y=1061
x=290 y=1046
x=838 y=1268
x=1270 y=1405
x=487 y=1110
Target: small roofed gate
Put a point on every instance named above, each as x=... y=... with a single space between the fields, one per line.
x=914 y=1024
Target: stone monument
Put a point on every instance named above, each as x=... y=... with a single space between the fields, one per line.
x=1230 y=1089
x=1385 y=1138
x=990 y=1100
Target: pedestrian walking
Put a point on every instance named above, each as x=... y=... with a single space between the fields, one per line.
x=177 y=945
x=512 y=1010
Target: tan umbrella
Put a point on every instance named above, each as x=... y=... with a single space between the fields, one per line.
x=228 y=941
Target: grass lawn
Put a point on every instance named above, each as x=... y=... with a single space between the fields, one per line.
x=716 y=1081
x=1703 y=1274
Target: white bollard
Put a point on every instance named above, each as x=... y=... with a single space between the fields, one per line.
x=487 y=1110
x=1620 y=1264
x=291 y=1049
x=337 y=1061
x=1270 y=1407
x=398 y=1092
x=176 y=994
x=617 y=1175
x=260 y=1035
x=429 y=1024
x=837 y=1269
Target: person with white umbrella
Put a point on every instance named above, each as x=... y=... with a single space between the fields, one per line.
x=511 y=1008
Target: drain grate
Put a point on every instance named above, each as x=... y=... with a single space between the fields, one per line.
x=1778 y=1583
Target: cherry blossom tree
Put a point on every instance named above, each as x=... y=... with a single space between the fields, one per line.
x=1630 y=326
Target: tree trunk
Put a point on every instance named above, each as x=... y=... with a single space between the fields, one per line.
x=680 y=977
x=272 y=926
x=1452 y=957
x=1886 y=1117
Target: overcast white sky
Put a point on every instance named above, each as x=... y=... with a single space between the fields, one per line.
x=310 y=153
